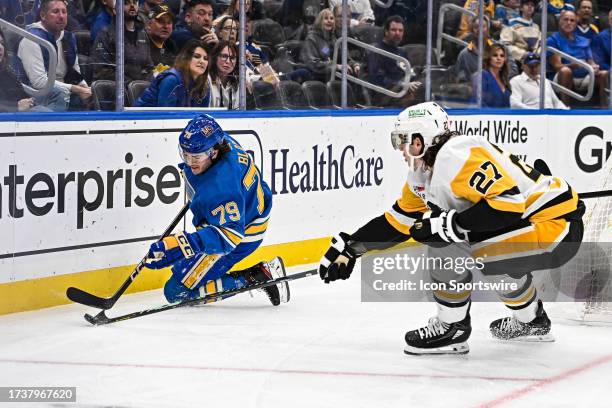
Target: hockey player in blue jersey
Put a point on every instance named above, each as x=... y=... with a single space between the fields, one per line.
x=231 y=206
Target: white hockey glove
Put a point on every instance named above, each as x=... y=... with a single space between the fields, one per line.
x=339 y=260
x=436 y=226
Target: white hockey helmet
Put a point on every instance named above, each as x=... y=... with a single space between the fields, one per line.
x=426 y=120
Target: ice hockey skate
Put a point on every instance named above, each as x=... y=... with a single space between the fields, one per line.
x=439 y=337
x=512 y=329
x=265 y=271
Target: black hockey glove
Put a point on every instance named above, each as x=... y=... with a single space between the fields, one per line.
x=438 y=226
x=339 y=260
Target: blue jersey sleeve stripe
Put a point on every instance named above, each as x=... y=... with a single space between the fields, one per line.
x=254 y=238
x=256 y=229
x=232 y=231
x=258 y=221
x=232 y=235
x=224 y=236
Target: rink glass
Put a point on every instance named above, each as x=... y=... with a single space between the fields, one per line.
x=431 y=53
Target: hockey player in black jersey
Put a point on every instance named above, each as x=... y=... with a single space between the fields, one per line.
x=465 y=191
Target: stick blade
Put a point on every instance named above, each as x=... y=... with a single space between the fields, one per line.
x=80 y=296
x=98 y=319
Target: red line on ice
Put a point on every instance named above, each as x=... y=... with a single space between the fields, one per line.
x=459 y=376
x=516 y=394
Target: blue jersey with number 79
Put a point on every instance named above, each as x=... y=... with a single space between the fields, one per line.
x=230 y=201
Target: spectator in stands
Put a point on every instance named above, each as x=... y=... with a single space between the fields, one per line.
x=601 y=46
x=77 y=20
x=13 y=98
x=184 y=85
x=337 y=9
x=526 y=87
x=20 y=12
x=226 y=28
x=388 y=72
x=31 y=8
x=104 y=18
x=137 y=54
x=70 y=88
x=413 y=12
x=522 y=34
x=145 y=9
x=506 y=11
x=465 y=27
x=566 y=73
x=258 y=63
x=11 y=11
x=296 y=16
x=317 y=51
x=223 y=77
x=360 y=11
x=495 y=78
x=31 y=12
x=584 y=14
x=467 y=61
x=197 y=24
x=159 y=30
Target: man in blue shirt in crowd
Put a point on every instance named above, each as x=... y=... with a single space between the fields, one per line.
x=567 y=73
x=585 y=27
x=196 y=24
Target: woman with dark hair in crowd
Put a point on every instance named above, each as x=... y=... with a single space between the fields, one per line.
x=495 y=78
x=226 y=28
x=223 y=78
x=318 y=48
x=13 y=97
x=185 y=85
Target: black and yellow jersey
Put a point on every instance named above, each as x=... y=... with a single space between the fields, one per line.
x=470 y=170
x=489 y=185
x=412 y=204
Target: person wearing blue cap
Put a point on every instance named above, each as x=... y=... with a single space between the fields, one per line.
x=526 y=87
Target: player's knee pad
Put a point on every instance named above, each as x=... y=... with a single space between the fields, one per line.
x=193 y=271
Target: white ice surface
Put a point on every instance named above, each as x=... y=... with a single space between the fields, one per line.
x=325 y=348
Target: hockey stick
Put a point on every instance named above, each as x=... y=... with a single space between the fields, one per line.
x=541 y=166
x=101 y=317
x=595 y=194
x=80 y=296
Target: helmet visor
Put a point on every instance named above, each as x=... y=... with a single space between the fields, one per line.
x=400 y=138
x=196 y=159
